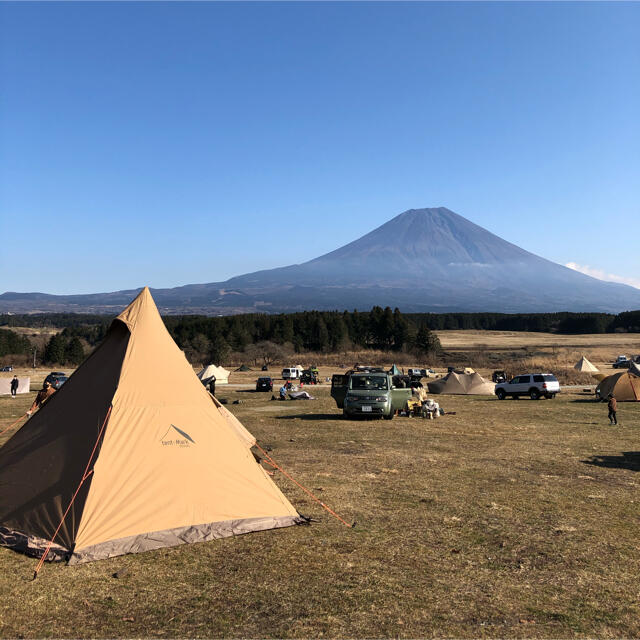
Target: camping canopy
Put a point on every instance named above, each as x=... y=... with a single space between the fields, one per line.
x=170 y=466
x=220 y=374
x=463 y=384
x=584 y=365
x=625 y=386
x=24 y=385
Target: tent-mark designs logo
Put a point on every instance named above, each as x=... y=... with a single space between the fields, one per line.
x=184 y=439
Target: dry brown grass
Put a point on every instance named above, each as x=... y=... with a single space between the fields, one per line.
x=508 y=519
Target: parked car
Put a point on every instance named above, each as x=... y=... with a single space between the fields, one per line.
x=622 y=362
x=53 y=375
x=368 y=393
x=58 y=381
x=534 y=385
x=499 y=376
x=291 y=373
x=9 y=368
x=264 y=384
x=417 y=374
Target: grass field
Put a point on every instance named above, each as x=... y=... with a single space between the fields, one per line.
x=507 y=519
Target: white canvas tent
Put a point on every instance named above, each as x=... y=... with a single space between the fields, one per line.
x=584 y=365
x=212 y=371
x=462 y=384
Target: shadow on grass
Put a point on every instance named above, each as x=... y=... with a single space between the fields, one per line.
x=591 y=400
x=628 y=460
x=313 y=416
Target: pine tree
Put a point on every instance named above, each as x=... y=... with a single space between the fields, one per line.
x=74 y=352
x=54 y=352
x=426 y=341
x=400 y=330
x=220 y=350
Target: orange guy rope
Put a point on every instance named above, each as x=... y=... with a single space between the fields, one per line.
x=273 y=463
x=13 y=424
x=85 y=475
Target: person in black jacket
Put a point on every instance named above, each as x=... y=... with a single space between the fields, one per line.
x=14 y=386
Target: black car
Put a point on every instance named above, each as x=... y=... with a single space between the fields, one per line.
x=58 y=381
x=622 y=364
x=53 y=375
x=9 y=368
x=264 y=384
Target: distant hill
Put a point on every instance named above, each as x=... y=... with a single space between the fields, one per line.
x=421 y=260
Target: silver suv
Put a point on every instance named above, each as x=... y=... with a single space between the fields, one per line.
x=534 y=385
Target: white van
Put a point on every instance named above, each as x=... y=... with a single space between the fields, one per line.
x=291 y=373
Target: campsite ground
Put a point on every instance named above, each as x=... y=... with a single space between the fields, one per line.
x=507 y=519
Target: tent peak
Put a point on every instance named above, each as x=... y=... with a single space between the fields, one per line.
x=142 y=305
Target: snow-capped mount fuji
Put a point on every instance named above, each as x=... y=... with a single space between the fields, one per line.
x=421 y=260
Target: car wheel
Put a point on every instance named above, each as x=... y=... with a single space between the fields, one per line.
x=390 y=416
x=501 y=394
x=534 y=394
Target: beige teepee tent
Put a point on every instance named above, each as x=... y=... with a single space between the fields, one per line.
x=212 y=371
x=463 y=384
x=584 y=365
x=169 y=466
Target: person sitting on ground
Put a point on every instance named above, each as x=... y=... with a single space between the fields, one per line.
x=613 y=407
x=430 y=409
x=43 y=395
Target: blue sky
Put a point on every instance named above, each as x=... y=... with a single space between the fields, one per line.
x=174 y=143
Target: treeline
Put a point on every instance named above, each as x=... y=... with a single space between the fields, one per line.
x=63 y=350
x=12 y=343
x=214 y=338
x=53 y=320
x=561 y=322
x=319 y=331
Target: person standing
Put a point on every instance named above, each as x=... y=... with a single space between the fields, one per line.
x=14 y=386
x=43 y=395
x=613 y=408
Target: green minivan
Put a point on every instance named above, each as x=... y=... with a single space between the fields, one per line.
x=369 y=393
